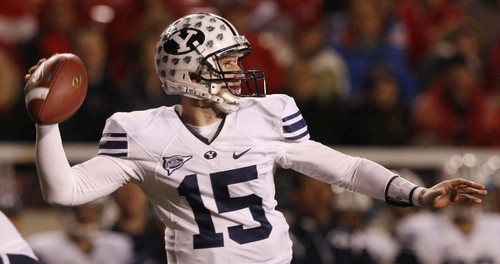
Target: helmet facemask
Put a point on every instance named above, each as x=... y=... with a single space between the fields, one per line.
x=252 y=82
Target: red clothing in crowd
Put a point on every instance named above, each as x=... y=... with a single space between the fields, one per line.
x=428 y=22
x=438 y=121
x=492 y=88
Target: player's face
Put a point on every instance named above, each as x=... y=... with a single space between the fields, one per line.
x=231 y=64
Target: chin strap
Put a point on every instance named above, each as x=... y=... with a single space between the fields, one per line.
x=229 y=102
x=224 y=100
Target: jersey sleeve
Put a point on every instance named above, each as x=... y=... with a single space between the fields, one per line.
x=353 y=173
x=62 y=184
x=294 y=126
x=111 y=168
x=114 y=142
x=328 y=165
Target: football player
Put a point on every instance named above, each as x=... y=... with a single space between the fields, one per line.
x=13 y=247
x=207 y=164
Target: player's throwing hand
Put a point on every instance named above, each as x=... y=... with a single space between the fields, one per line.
x=450 y=191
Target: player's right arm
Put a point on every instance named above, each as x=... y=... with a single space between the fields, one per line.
x=62 y=184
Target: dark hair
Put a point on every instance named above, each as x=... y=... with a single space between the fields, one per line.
x=444 y=64
x=377 y=73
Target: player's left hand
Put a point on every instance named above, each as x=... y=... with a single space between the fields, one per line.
x=450 y=191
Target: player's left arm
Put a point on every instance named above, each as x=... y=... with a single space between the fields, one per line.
x=328 y=165
x=367 y=177
x=361 y=175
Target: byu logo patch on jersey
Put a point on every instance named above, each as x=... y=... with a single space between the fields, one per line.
x=184 y=41
x=210 y=154
x=170 y=164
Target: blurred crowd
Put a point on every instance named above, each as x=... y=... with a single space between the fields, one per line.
x=363 y=72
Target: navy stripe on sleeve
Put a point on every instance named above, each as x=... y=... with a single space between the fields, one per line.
x=298 y=136
x=121 y=154
x=117 y=135
x=295 y=126
x=114 y=144
x=290 y=116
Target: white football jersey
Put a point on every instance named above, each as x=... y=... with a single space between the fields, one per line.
x=12 y=244
x=216 y=198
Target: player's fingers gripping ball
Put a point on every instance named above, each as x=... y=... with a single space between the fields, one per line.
x=55 y=88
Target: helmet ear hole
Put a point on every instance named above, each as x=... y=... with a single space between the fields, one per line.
x=196 y=78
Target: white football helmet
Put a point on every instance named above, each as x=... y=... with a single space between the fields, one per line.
x=187 y=61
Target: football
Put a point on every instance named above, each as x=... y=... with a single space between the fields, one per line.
x=56 y=89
